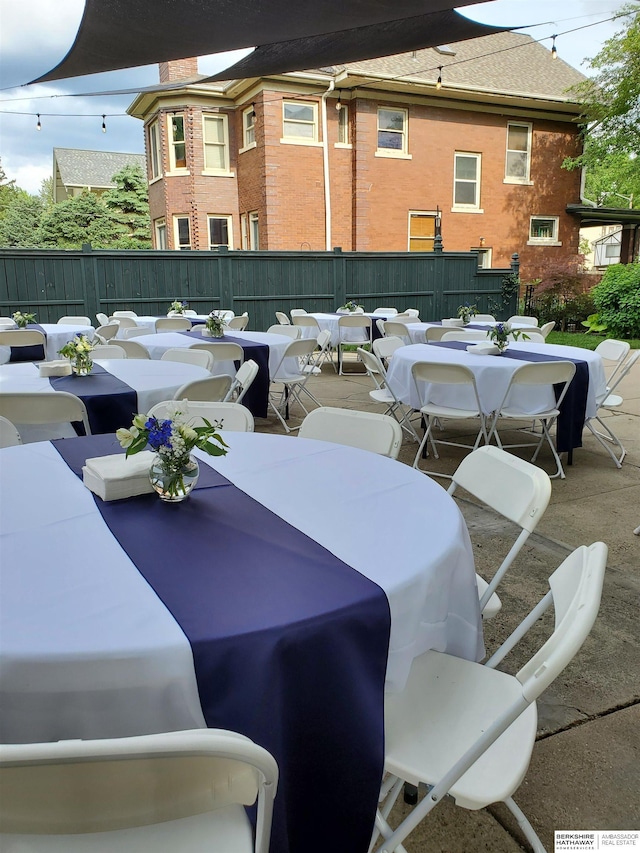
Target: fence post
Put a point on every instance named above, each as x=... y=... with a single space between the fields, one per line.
x=339 y=278
x=90 y=296
x=225 y=280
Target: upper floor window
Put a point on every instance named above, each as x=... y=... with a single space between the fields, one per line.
x=219 y=231
x=466 y=182
x=182 y=232
x=392 y=130
x=216 y=143
x=300 y=121
x=544 y=230
x=517 y=167
x=343 y=125
x=249 y=128
x=177 y=144
x=155 y=156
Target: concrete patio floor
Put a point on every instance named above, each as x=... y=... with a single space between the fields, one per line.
x=585 y=770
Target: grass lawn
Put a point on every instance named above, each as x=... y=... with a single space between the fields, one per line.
x=586 y=341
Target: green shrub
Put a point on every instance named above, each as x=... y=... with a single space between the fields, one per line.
x=617 y=300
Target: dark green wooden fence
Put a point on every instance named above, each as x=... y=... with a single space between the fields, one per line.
x=51 y=283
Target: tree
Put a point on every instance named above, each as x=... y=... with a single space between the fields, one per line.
x=611 y=115
x=8 y=192
x=20 y=225
x=78 y=220
x=128 y=203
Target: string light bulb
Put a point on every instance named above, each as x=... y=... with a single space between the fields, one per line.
x=39 y=124
x=104 y=124
x=554 y=52
x=439 y=80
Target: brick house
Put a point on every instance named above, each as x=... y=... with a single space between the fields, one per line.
x=372 y=155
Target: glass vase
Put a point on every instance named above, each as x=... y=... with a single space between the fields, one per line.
x=82 y=365
x=173 y=479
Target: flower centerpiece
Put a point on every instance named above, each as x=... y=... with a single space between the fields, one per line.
x=351 y=307
x=78 y=351
x=466 y=312
x=500 y=334
x=177 y=307
x=22 y=320
x=214 y=325
x=174 y=472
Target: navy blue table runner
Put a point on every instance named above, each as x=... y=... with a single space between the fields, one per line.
x=572 y=416
x=110 y=402
x=257 y=397
x=290 y=645
x=32 y=353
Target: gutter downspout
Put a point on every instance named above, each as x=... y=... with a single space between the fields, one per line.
x=325 y=167
x=583 y=179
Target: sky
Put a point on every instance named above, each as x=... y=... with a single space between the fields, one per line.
x=36 y=34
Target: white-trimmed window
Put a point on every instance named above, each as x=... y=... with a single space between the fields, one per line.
x=219 y=228
x=543 y=230
x=244 y=231
x=343 y=125
x=254 y=231
x=177 y=143
x=422 y=230
x=249 y=128
x=392 y=131
x=155 y=153
x=517 y=168
x=300 y=121
x=484 y=257
x=181 y=232
x=215 y=135
x=160 y=228
x=466 y=181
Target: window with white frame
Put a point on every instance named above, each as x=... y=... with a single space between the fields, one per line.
x=300 y=121
x=466 y=182
x=244 y=231
x=422 y=230
x=517 y=167
x=484 y=257
x=392 y=130
x=343 y=125
x=249 y=128
x=155 y=155
x=160 y=228
x=254 y=232
x=219 y=231
x=544 y=230
x=182 y=232
x=215 y=136
x=177 y=143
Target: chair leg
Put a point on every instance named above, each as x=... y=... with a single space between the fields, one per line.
x=525 y=826
x=611 y=437
x=546 y=434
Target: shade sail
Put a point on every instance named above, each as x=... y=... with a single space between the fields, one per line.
x=290 y=36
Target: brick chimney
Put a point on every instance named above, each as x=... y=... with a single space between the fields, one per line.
x=178 y=69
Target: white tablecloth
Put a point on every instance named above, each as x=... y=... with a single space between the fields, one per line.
x=417 y=331
x=57 y=336
x=149 y=322
x=153 y=382
x=330 y=322
x=492 y=374
x=89 y=651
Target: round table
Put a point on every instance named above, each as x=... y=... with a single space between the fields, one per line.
x=57 y=335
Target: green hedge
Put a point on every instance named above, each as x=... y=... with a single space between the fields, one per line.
x=617 y=300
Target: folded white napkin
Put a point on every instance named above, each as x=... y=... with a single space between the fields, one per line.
x=482 y=348
x=60 y=367
x=453 y=323
x=115 y=477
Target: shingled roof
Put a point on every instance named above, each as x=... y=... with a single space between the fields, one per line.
x=504 y=63
x=81 y=168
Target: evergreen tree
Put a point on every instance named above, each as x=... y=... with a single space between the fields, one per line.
x=20 y=225
x=78 y=220
x=128 y=203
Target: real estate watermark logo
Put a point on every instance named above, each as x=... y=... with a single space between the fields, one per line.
x=569 y=841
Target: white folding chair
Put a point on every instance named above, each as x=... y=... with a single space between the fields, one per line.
x=380 y=326
x=383 y=393
x=611 y=401
x=136 y=332
x=188 y=312
x=103 y=319
x=131 y=315
x=123 y=322
x=9 y=435
x=107 y=332
x=547 y=327
x=230 y=353
x=614 y=352
x=468 y=730
x=394 y=329
x=353 y=330
x=436 y=333
x=32 y=408
x=173 y=324
x=132 y=349
x=234 y=417
x=366 y=430
x=214 y=389
x=457 y=376
x=74 y=321
x=23 y=338
x=282 y=318
x=291 y=374
x=512 y=487
x=169 y=792
x=390 y=312
x=302 y=321
x=520 y=318
x=528 y=376
x=108 y=351
x=239 y=323
x=385 y=347
x=243 y=380
x=529 y=336
x=412 y=312
x=323 y=353
x=290 y=331
x=464 y=335
x=296 y=312
x=188 y=355
x=483 y=318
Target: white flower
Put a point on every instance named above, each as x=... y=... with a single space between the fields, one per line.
x=126 y=437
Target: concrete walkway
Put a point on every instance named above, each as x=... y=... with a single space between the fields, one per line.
x=585 y=771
